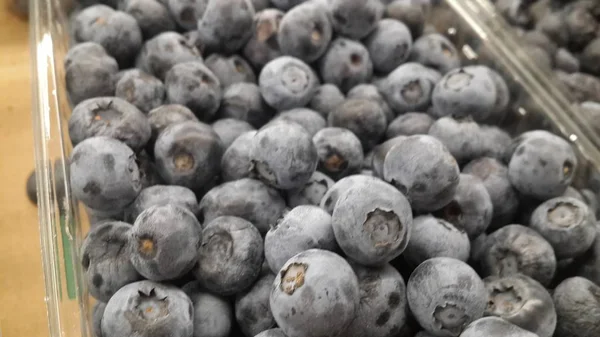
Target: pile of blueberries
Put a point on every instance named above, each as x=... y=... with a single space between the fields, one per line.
x=563 y=35
x=315 y=168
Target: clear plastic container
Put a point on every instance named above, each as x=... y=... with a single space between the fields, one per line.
x=480 y=34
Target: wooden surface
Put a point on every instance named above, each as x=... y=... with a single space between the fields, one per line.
x=22 y=307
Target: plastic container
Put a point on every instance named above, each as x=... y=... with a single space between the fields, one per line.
x=480 y=34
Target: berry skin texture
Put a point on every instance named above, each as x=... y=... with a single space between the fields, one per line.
x=409 y=124
x=162 y=195
x=577 y=302
x=518 y=249
x=226 y=25
x=522 y=301
x=286 y=83
x=332 y=282
x=494 y=327
x=542 y=166
x=283 y=155
x=105 y=264
x=152 y=17
x=435 y=51
x=213 y=315
x=432 y=237
x=415 y=178
x=303 y=228
x=355 y=19
x=243 y=101
x=471 y=208
x=346 y=64
x=340 y=187
x=252 y=307
x=382 y=309
x=327 y=97
x=230 y=70
x=311 y=120
x=363 y=117
x=389 y=45
x=164 y=241
x=236 y=163
x=112 y=185
x=192 y=84
x=230 y=256
x=340 y=152
x=245 y=198
x=372 y=226
x=111 y=117
x=312 y=193
x=567 y=224
x=230 y=129
x=164 y=116
x=147 y=309
x=445 y=295
x=189 y=154
x=409 y=87
x=143 y=90
x=304 y=32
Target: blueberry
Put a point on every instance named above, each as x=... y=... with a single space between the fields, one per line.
x=567 y=224
x=495 y=142
x=286 y=5
x=312 y=193
x=389 y=45
x=521 y=301
x=429 y=179
x=494 y=327
x=504 y=198
x=162 y=52
x=581 y=86
x=252 y=310
x=591 y=199
x=111 y=185
x=144 y=91
x=409 y=87
x=97 y=217
x=311 y=120
x=382 y=309
x=571 y=192
x=471 y=208
x=370 y=92
x=259 y=5
x=152 y=17
x=588 y=265
x=236 y=163
x=581 y=24
x=287 y=82
x=245 y=198
x=303 y=228
x=105 y=263
x=380 y=152
x=89 y=72
x=577 y=303
x=437 y=52
x=463 y=137
x=283 y=155
x=111 y=117
x=162 y=195
x=363 y=117
x=327 y=97
x=305 y=32
x=411 y=14
x=189 y=154
x=316 y=293
x=213 y=315
x=566 y=61
x=542 y=166
x=164 y=116
x=465 y=91
x=164 y=242
x=187 y=12
x=31 y=188
x=192 y=84
x=230 y=69
x=243 y=101
x=226 y=25
x=230 y=256
x=445 y=295
x=589 y=54
x=343 y=185
x=340 y=152
x=432 y=237
x=409 y=124
x=263 y=46
x=372 y=226
x=230 y=129
x=276 y=332
x=355 y=19
x=116 y=31
x=346 y=63
x=97 y=314
x=148 y=309
x=552 y=25
x=518 y=249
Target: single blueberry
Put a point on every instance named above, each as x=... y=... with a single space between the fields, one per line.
x=252 y=310
x=226 y=25
x=363 y=117
x=355 y=19
x=340 y=152
x=346 y=63
x=435 y=51
x=577 y=302
x=230 y=256
x=213 y=315
x=389 y=45
x=409 y=87
x=152 y=17
x=143 y=90
x=230 y=69
x=287 y=82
